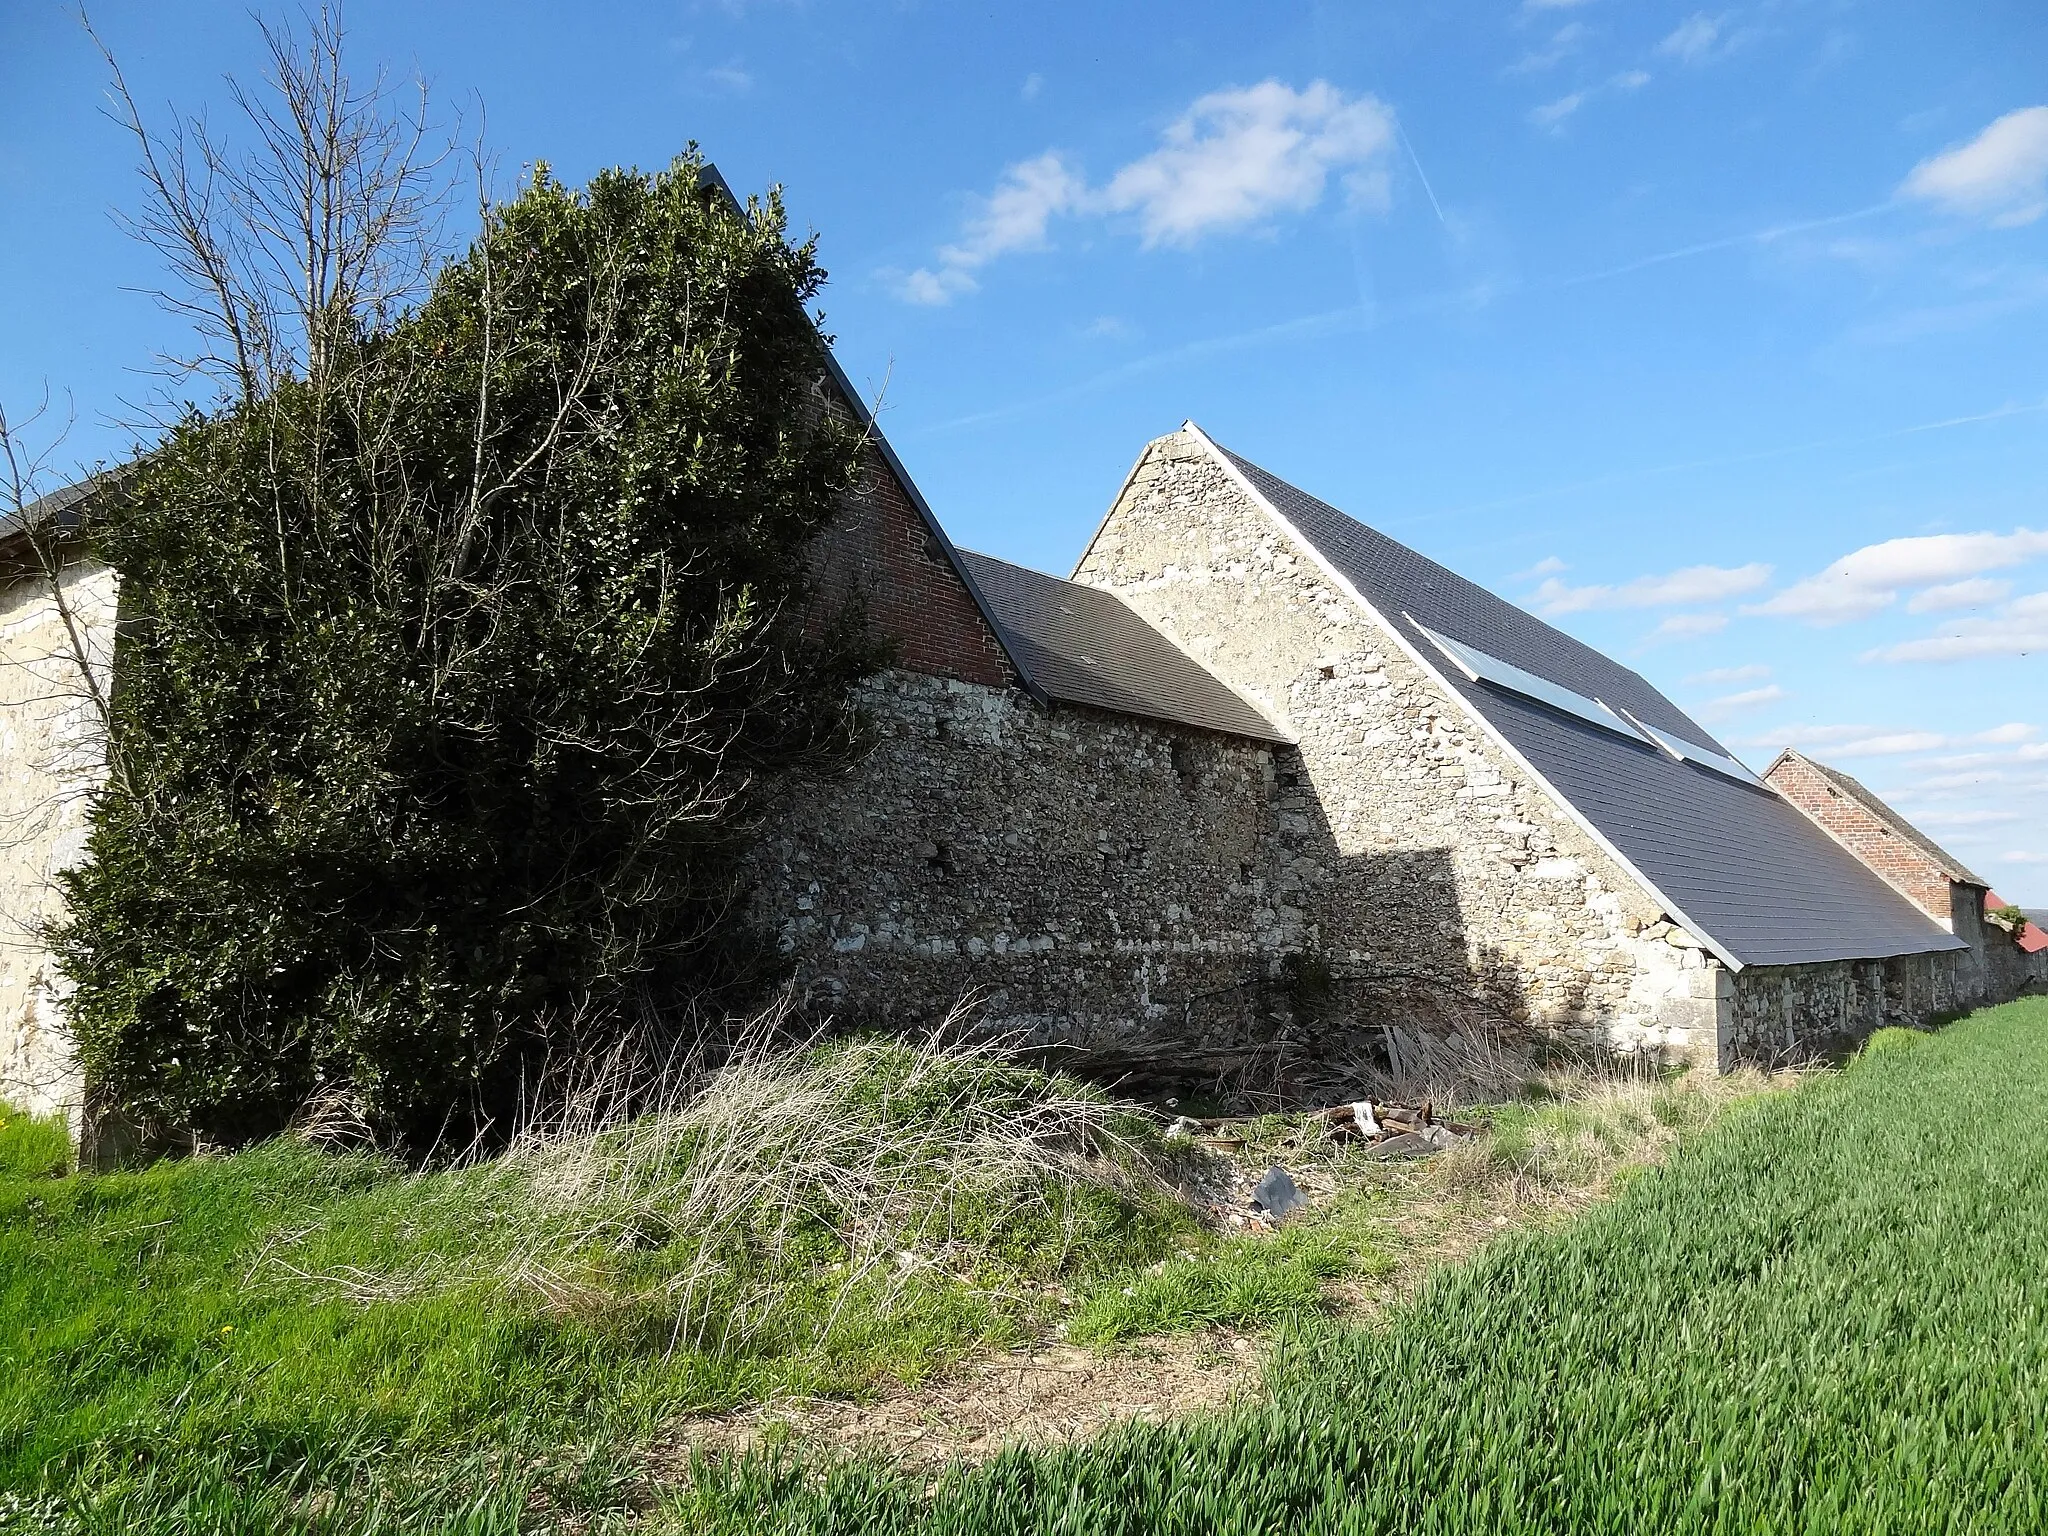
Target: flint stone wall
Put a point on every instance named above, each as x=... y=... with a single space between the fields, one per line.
x=51 y=758
x=1784 y=1014
x=1451 y=888
x=1091 y=877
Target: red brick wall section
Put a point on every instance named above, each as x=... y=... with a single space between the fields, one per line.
x=1912 y=872
x=881 y=550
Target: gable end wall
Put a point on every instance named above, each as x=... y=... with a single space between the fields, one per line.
x=1458 y=888
x=51 y=759
x=880 y=553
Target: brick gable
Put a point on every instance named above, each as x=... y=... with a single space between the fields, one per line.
x=884 y=554
x=1900 y=862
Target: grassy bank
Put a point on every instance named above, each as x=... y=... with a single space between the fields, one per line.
x=1825 y=1317
x=314 y=1340
x=293 y=1337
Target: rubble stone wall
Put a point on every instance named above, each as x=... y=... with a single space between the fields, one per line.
x=1450 y=888
x=51 y=758
x=1782 y=1014
x=1091 y=877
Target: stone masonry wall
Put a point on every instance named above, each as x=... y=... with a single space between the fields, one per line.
x=1456 y=892
x=51 y=758
x=1782 y=1014
x=1093 y=877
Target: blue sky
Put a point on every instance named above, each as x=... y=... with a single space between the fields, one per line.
x=1717 y=336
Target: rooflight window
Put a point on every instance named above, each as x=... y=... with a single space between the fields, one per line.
x=1480 y=667
x=1693 y=752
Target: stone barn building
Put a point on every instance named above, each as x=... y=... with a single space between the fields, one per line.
x=2000 y=962
x=1253 y=773
x=56 y=650
x=1255 y=766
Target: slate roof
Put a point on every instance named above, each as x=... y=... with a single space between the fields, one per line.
x=1086 y=646
x=58 y=511
x=1737 y=863
x=1951 y=866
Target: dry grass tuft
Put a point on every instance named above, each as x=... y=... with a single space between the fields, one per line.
x=809 y=1173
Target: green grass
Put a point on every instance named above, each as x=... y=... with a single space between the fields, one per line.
x=292 y=1339
x=1818 y=1317
x=1244 y=1281
x=1824 y=1315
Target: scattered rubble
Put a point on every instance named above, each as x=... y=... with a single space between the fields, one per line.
x=1387 y=1132
x=1276 y=1196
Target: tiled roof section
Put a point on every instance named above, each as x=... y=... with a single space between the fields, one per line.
x=1086 y=646
x=1395 y=579
x=1950 y=865
x=2031 y=938
x=60 y=509
x=1746 y=866
x=1740 y=864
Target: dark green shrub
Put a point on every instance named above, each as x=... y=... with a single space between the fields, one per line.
x=454 y=675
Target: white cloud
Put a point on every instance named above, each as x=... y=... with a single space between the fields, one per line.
x=1033 y=84
x=1748 y=698
x=1966 y=818
x=2017 y=857
x=1013 y=218
x=1563 y=42
x=1694 y=39
x=1234 y=158
x=1694 y=584
x=1551 y=113
x=2012 y=731
x=1722 y=676
x=1869 y=580
x=1878 y=741
x=1688 y=626
x=1960 y=594
x=1239 y=156
x=2002 y=174
x=2020 y=628
x=1016 y=214
x=1549 y=565
x=925 y=286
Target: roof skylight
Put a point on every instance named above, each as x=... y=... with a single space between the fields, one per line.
x=1480 y=667
x=1693 y=752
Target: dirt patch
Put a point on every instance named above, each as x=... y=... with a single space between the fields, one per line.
x=1046 y=1395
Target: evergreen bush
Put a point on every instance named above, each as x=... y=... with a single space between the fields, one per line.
x=456 y=672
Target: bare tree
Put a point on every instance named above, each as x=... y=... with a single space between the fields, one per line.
x=329 y=214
